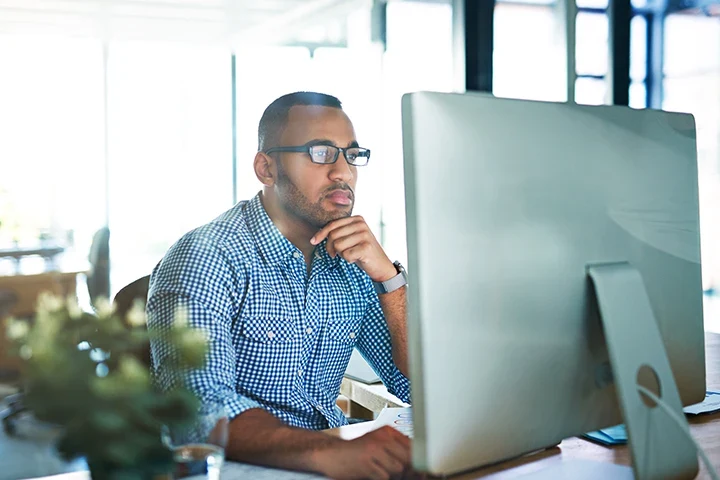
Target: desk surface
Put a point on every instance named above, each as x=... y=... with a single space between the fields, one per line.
x=704 y=428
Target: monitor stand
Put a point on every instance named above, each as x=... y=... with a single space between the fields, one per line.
x=660 y=447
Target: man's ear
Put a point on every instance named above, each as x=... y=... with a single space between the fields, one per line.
x=265 y=169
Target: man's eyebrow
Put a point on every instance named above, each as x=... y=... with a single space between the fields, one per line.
x=325 y=141
x=320 y=141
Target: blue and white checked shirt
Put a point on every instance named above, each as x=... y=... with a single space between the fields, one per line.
x=279 y=339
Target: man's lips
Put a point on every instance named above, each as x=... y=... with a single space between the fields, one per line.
x=340 y=197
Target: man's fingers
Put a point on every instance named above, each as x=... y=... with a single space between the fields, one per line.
x=400 y=451
x=399 y=446
x=320 y=236
x=345 y=231
x=342 y=238
x=352 y=255
x=403 y=439
x=340 y=245
x=377 y=472
x=388 y=464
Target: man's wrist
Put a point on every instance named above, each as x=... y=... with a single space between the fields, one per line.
x=320 y=456
x=391 y=272
x=398 y=280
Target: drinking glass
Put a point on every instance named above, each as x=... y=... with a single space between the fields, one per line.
x=199 y=448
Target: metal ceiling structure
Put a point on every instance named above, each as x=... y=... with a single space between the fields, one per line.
x=212 y=21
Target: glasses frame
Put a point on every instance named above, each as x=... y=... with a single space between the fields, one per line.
x=308 y=149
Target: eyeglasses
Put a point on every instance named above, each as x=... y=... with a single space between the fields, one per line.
x=327 y=154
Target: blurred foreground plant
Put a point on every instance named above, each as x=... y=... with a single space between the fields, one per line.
x=82 y=373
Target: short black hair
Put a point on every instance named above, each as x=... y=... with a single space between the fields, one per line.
x=275 y=117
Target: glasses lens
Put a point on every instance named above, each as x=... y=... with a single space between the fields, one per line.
x=323 y=153
x=357 y=156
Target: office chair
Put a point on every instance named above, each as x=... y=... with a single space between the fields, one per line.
x=124 y=300
x=98 y=278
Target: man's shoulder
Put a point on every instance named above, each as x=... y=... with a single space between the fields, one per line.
x=219 y=249
x=227 y=235
x=228 y=230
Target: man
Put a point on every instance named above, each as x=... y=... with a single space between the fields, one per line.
x=285 y=285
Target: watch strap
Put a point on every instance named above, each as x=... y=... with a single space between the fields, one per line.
x=392 y=284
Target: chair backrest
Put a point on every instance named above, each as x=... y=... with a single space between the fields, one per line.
x=124 y=300
x=136 y=290
x=98 y=279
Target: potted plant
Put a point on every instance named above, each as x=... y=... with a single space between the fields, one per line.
x=82 y=373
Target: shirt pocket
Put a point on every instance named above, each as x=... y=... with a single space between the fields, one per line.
x=270 y=330
x=345 y=331
x=263 y=303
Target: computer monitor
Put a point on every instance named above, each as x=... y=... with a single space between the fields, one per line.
x=509 y=205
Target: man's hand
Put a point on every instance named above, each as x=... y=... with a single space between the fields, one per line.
x=352 y=239
x=382 y=454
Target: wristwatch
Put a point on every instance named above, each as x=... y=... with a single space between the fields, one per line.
x=399 y=280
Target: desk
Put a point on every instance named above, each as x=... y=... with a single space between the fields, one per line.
x=27 y=288
x=47 y=252
x=367 y=399
x=704 y=428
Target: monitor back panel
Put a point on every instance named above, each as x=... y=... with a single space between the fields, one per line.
x=507 y=201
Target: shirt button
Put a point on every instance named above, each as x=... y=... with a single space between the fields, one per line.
x=300 y=372
x=271 y=334
x=296 y=254
x=319 y=408
x=352 y=334
x=309 y=331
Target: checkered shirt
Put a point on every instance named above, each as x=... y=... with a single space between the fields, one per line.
x=279 y=339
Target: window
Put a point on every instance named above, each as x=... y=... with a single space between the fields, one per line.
x=692 y=84
x=418 y=57
x=692 y=45
x=590 y=91
x=532 y=65
x=169 y=145
x=591 y=49
x=52 y=148
x=638 y=48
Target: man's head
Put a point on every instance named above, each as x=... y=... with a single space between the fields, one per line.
x=308 y=192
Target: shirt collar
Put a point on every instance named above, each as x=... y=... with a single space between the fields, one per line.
x=322 y=255
x=272 y=245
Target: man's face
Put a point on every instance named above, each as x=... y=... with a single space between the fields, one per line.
x=314 y=193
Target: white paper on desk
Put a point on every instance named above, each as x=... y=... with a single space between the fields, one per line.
x=710 y=404
x=400 y=418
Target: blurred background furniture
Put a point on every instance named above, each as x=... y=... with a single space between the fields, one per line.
x=8 y=299
x=125 y=299
x=98 y=277
x=20 y=294
x=49 y=253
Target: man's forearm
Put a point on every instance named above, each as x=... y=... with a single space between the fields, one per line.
x=258 y=437
x=394 y=306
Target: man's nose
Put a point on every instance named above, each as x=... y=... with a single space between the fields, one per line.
x=341 y=169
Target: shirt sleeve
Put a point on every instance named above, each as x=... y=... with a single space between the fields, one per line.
x=196 y=277
x=375 y=345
